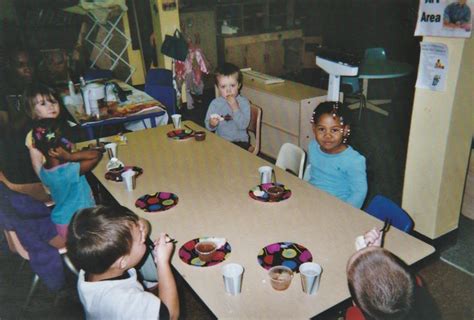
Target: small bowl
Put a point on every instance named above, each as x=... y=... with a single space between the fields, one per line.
x=275 y=192
x=205 y=250
x=200 y=135
x=280 y=277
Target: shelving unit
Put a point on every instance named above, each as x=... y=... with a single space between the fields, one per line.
x=255 y=16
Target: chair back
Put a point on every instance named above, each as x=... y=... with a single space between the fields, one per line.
x=255 y=127
x=352 y=83
x=164 y=94
x=162 y=77
x=92 y=74
x=375 y=54
x=291 y=157
x=307 y=172
x=384 y=208
x=15 y=245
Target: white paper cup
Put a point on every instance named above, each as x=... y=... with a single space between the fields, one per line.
x=310 y=273
x=129 y=179
x=232 y=274
x=265 y=174
x=111 y=149
x=176 y=120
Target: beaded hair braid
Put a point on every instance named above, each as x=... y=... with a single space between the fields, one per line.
x=336 y=110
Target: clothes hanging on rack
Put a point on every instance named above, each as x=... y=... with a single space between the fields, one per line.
x=191 y=71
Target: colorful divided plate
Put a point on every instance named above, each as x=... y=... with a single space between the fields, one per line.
x=288 y=254
x=259 y=192
x=115 y=174
x=180 y=134
x=159 y=201
x=191 y=257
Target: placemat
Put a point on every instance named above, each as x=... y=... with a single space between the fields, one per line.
x=189 y=256
x=115 y=174
x=259 y=192
x=288 y=254
x=180 y=134
x=159 y=201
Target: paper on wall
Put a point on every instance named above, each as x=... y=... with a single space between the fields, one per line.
x=433 y=66
x=445 y=18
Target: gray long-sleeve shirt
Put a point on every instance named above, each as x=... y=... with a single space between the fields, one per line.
x=235 y=129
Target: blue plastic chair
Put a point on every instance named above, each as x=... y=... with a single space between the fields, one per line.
x=384 y=208
x=375 y=54
x=162 y=77
x=164 y=94
x=92 y=74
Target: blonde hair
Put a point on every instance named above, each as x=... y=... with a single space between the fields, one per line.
x=381 y=284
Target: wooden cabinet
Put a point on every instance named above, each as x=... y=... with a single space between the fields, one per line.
x=287 y=109
x=263 y=52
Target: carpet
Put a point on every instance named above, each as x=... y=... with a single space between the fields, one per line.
x=461 y=254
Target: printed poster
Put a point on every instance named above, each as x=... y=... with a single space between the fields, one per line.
x=445 y=18
x=433 y=66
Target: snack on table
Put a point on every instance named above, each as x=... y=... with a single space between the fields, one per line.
x=215 y=115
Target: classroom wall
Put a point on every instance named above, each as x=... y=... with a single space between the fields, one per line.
x=442 y=127
x=354 y=25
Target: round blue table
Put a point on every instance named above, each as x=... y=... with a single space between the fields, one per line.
x=379 y=69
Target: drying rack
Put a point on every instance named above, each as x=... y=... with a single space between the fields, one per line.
x=111 y=30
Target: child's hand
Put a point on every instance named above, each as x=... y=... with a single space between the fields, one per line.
x=60 y=153
x=373 y=238
x=214 y=122
x=163 y=250
x=232 y=101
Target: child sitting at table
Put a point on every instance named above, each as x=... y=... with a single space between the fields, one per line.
x=106 y=244
x=229 y=114
x=383 y=287
x=335 y=166
x=63 y=172
x=41 y=102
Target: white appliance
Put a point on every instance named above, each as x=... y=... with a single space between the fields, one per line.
x=336 y=65
x=91 y=94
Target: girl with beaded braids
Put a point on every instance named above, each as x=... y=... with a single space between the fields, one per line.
x=336 y=167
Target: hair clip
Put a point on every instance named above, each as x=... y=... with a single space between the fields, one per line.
x=50 y=136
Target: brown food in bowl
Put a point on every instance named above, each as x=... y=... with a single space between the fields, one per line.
x=275 y=192
x=206 y=250
x=200 y=135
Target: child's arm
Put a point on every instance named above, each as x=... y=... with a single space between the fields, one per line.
x=241 y=114
x=37 y=159
x=87 y=158
x=211 y=123
x=167 y=291
x=357 y=181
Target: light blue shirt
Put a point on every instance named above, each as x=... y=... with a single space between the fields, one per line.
x=342 y=174
x=69 y=190
x=235 y=129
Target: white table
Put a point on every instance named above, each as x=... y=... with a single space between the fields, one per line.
x=212 y=179
x=154 y=115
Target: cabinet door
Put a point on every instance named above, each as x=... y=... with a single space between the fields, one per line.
x=236 y=55
x=255 y=56
x=274 y=57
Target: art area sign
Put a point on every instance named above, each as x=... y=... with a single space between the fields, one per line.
x=445 y=18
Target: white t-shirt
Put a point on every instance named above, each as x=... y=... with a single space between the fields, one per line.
x=117 y=299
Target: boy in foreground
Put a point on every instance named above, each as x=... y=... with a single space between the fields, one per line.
x=106 y=243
